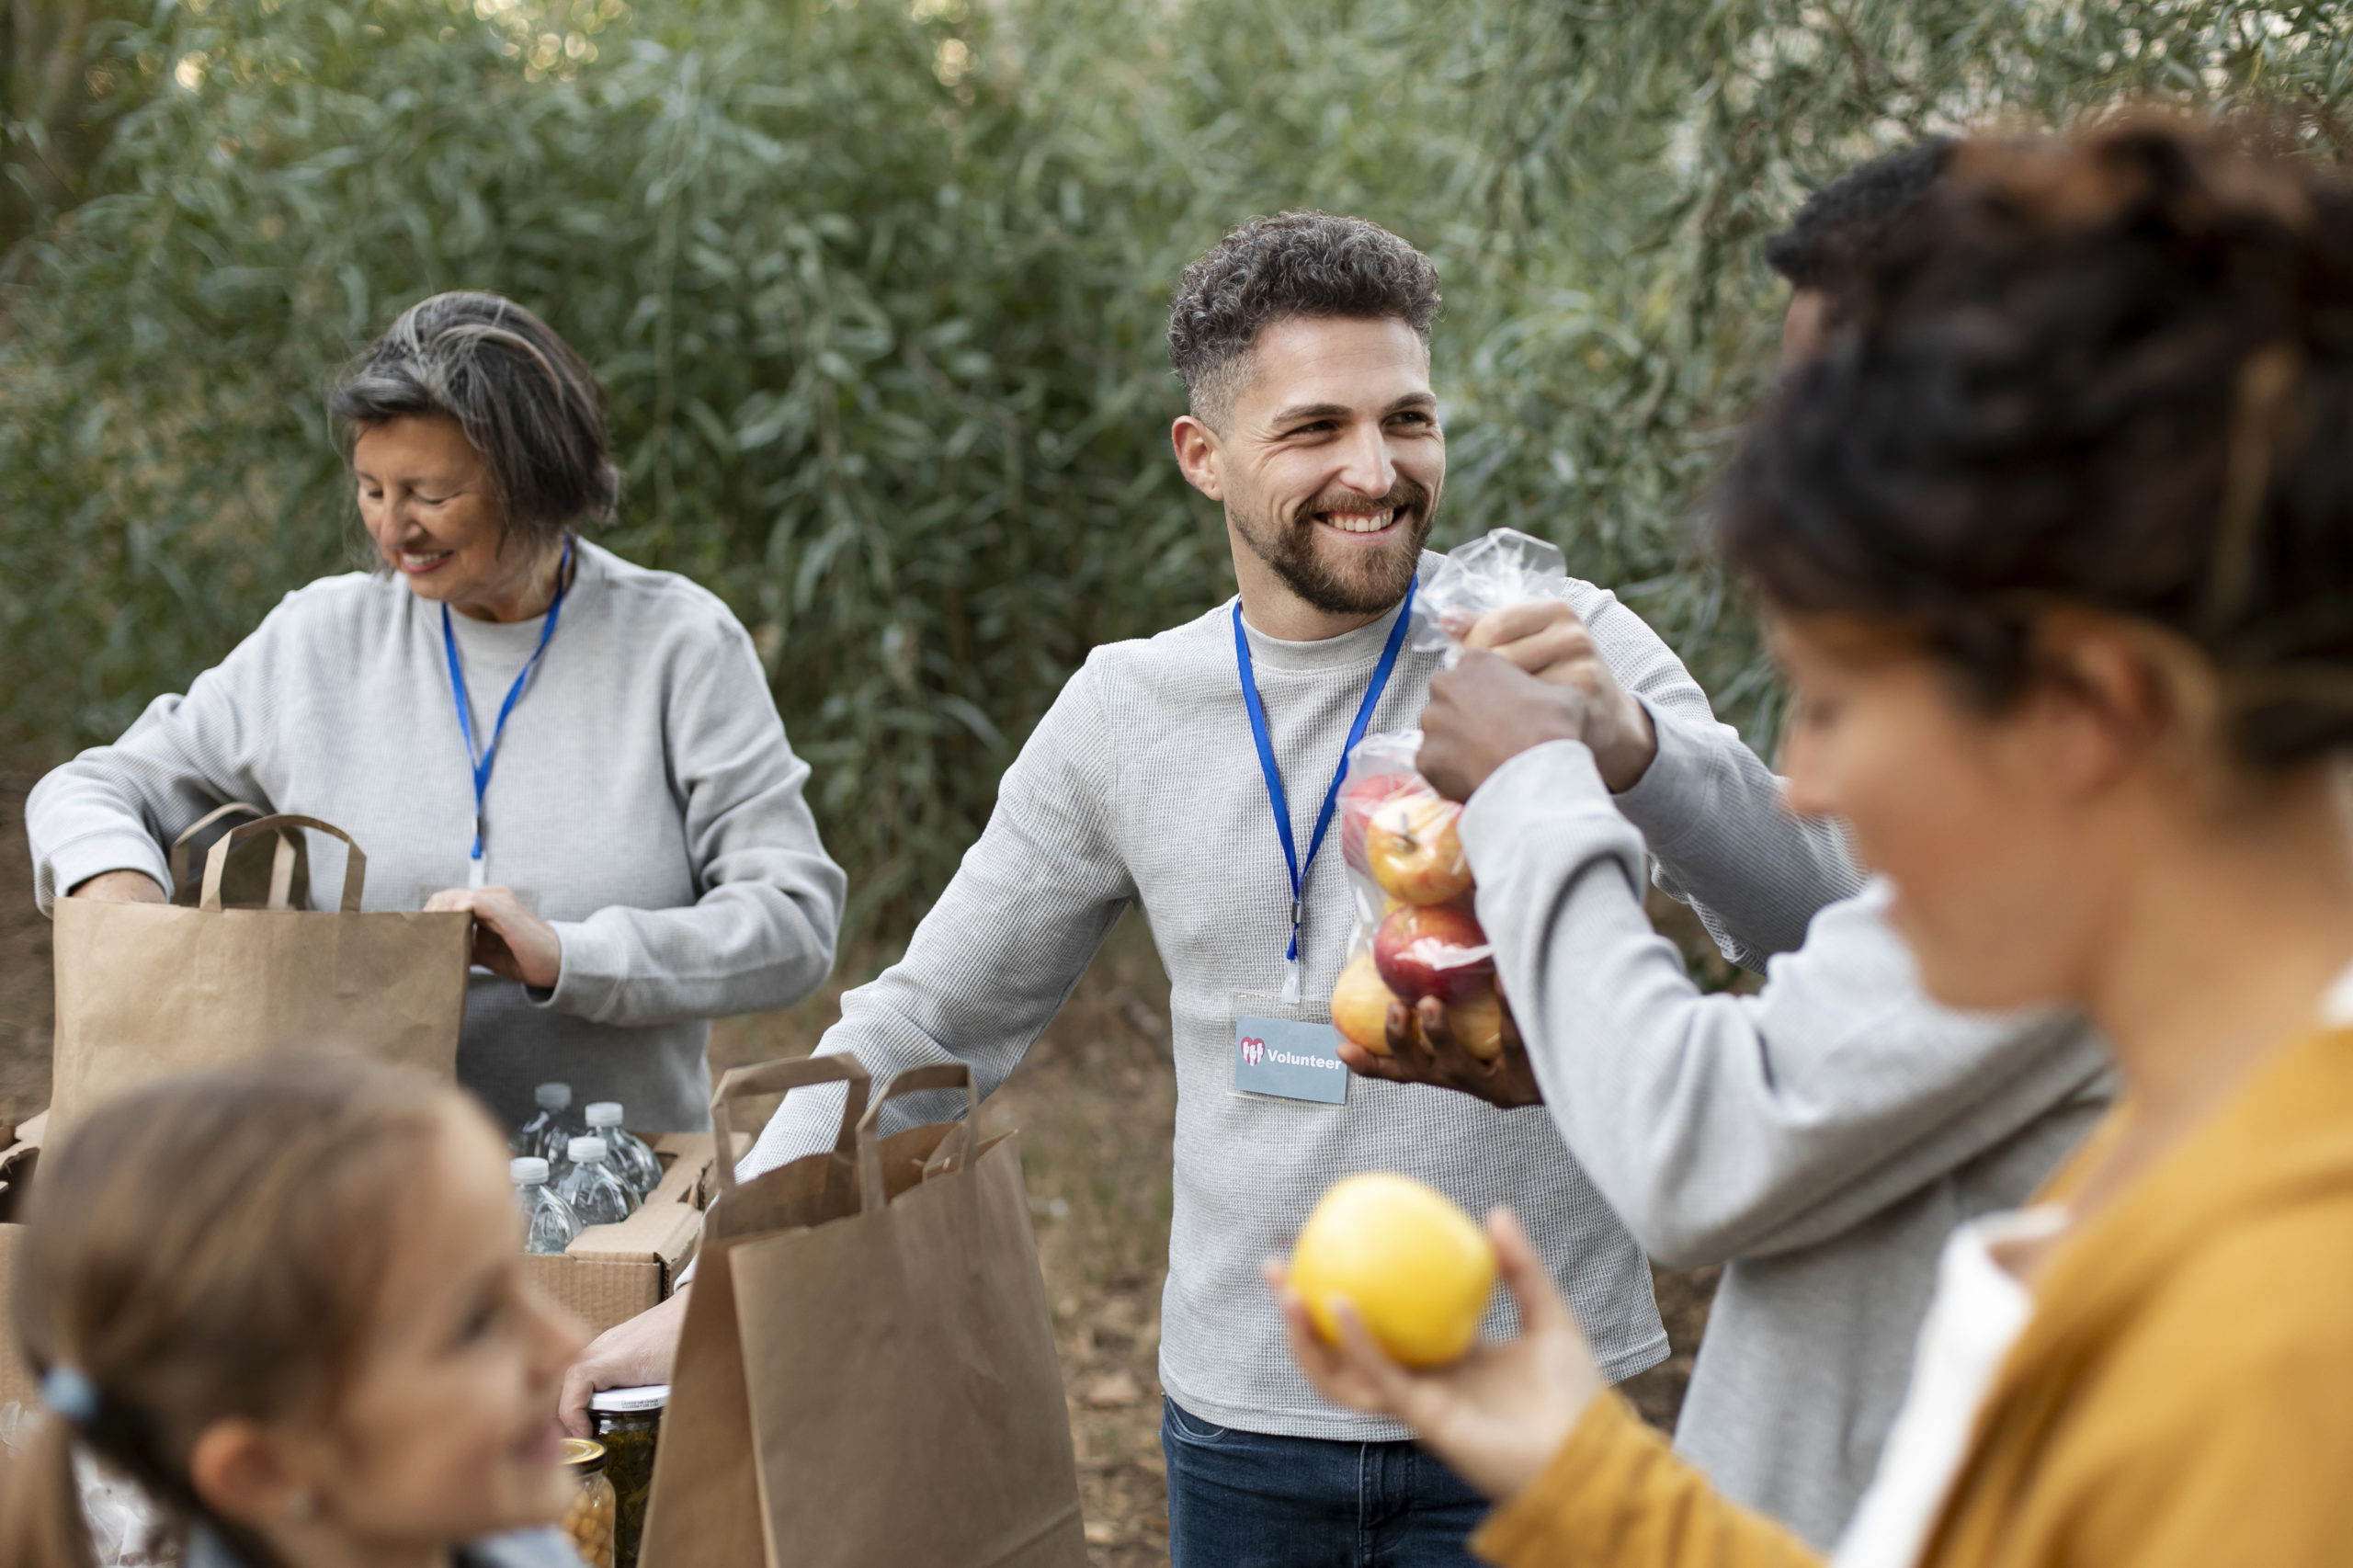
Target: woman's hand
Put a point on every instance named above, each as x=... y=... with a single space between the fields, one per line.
x=1498 y=1416
x=627 y=1356
x=509 y=939
x=1431 y=1054
x=119 y=887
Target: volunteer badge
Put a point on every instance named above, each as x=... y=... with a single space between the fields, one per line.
x=1289 y=1058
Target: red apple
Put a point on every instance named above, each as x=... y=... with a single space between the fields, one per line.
x=1360 y=1004
x=1414 y=851
x=1434 y=949
x=1360 y=799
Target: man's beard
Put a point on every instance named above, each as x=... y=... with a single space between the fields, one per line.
x=1366 y=583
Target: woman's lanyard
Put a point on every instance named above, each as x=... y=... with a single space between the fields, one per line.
x=1275 y=778
x=482 y=765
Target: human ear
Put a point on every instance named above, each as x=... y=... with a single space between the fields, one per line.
x=1197 y=455
x=238 y=1469
x=2108 y=700
x=1804 y=324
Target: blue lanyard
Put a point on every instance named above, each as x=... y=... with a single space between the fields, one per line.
x=1275 y=796
x=482 y=765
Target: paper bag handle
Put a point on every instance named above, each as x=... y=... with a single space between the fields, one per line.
x=937 y=1076
x=780 y=1078
x=180 y=845
x=282 y=870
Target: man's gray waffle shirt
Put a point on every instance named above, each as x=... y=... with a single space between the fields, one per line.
x=1142 y=785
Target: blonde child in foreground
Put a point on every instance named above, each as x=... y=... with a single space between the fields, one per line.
x=2058 y=540
x=287 y=1302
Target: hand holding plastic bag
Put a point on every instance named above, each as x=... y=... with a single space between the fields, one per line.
x=1509 y=568
x=1503 y=568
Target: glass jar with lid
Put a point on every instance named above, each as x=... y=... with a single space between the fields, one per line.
x=588 y=1520
x=628 y=1422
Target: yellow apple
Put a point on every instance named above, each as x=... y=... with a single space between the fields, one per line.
x=1413 y=850
x=1360 y=1004
x=1417 y=1268
x=1478 y=1023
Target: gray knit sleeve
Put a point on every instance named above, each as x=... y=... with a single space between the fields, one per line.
x=1723 y=1126
x=1720 y=838
x=1003 y=949
x=761 y=935
x=117 y=807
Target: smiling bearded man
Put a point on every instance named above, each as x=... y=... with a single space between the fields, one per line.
x=1188 y=775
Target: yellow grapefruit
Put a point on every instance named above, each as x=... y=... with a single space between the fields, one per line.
x=1418 y=1269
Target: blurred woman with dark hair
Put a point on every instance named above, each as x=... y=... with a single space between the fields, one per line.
x=582 y=753
x=2056 y=538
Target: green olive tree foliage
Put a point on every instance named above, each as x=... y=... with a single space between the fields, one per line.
x=60 y=85
x=878 y=291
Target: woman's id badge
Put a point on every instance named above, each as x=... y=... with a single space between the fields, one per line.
x=1282 y=1054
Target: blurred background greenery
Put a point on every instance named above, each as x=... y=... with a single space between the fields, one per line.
x=878 y=288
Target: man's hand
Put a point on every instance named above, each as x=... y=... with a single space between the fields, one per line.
x=509 y=939
x=1546 y=639
x=627 y=1356
x=1432 y=1055
x=120 y=887
x=1543 y=637
x=1498 y=1416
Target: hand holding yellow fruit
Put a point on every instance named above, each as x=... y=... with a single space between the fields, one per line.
x=1414 y=1266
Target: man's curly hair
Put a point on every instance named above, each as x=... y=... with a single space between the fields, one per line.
x=1272 y=270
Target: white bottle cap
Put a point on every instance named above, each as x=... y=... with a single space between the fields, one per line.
x=604 y=1113
x=585 y=1151
x=553 y=1096
x=527 y=1170
x=650 y=1396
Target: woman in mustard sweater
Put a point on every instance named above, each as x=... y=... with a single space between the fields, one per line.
x=2057 y=540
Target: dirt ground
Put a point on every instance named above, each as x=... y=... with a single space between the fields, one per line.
x=1096 y=1105
x=24 y=969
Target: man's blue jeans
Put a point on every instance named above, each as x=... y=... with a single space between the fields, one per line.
x=1246 y=1500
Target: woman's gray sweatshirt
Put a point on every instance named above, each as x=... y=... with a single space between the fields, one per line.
x=1820 y=1139
x=645 y=794
x=1142 y=786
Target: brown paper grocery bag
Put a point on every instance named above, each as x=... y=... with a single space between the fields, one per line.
x=146 y=989
x=866 y=1374
x=705 y=1509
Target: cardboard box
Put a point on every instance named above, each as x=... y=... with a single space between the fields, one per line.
x=611 y=1273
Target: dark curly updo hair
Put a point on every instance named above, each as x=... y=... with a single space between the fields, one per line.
x=2114 y=372
x=1842 y=226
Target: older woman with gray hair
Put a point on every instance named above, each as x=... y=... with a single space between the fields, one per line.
x=511 y=721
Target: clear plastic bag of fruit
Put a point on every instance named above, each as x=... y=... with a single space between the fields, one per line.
x=1493 y=572
x=1416 y=934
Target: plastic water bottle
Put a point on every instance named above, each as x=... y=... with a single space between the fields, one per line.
x=552 y=1131
x=549 y=1222
x=594 y=1192
x=631 y=1159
